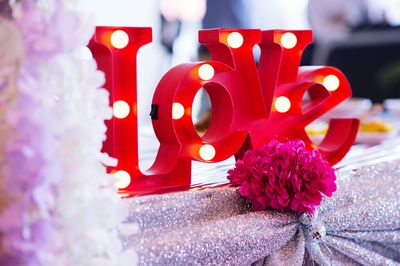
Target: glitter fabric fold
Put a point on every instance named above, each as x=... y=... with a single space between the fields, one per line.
x=217 y=227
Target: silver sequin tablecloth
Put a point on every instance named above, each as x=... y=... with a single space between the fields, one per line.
x=216 y=227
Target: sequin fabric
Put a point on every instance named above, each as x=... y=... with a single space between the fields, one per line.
x=216 y=226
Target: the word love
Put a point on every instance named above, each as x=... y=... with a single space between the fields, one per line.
x=250 y=103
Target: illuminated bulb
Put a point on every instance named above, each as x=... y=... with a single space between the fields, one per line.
x=206 y=72
x=121 y=109
x=235 y=40
x=282 y=104
x=177 y=111
x=207 y=152
x=288 y=40
x=123 y=179
x=331 y=82
x=119 y=39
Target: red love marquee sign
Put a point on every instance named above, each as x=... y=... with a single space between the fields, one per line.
x=250 y=104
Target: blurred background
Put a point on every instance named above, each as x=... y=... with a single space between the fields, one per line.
x=360 y=37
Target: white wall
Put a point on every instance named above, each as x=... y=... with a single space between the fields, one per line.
x=279 y=14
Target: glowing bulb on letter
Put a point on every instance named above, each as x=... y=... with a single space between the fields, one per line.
x=235 y=40
x=207 y=152
x=119 y=39
x=282 y=104
x=177 y=111
x=288 y=40
x=123 y=179
x=206 y=72
x=121 y=109
x=331 y=82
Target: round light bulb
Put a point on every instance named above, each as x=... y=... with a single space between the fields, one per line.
x=123 y=179
x=331 y=82
x=235 y=40
x=121 y=109
x=288 y=40
x=207 y=152
x=206 y=72
x=178 y=111
x=119 y=39
x=282 y=104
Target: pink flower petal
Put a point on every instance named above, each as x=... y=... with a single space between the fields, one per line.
x=284 y=176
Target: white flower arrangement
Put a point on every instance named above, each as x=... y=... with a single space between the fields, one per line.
x=58 y=206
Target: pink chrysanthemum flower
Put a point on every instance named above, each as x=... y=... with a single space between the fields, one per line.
x=284 y=176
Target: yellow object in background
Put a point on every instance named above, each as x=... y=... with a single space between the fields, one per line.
x=366 y=126
x=375 y=126
x=316 y=131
